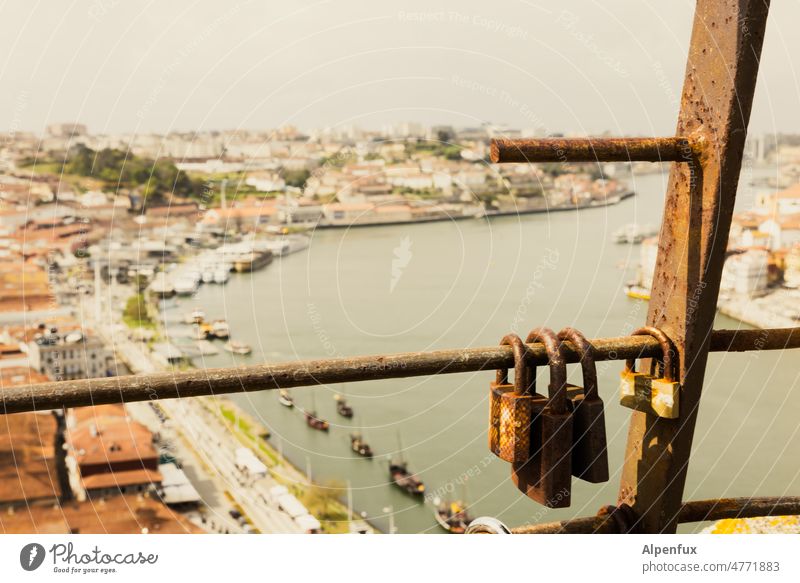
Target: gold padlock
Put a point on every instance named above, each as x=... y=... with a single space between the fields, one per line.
x=647 y=393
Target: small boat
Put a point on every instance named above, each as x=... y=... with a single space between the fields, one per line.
x=405 y=480
x=636 y=291
x=208 y=277
x=285 y=399
x=315 y=422
x=358 y=445
x=197 y=316
x=185 y=286
x=200 y=331
x=237 y=347
x=220 y=330
x=222 y=276
x=342 y=408
x=452 y=516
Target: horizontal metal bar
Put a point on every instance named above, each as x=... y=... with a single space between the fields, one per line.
x=696 y=511
x=593 y=150
x=215 y=381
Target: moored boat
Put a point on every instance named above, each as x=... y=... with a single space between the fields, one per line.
x=220 y=330
x=237 y=347
x=285 y=399
x=342 y=408
x=315 y=422
x=358 y=445
x=452 y=516
x=404 y=479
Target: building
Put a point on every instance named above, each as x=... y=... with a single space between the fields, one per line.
x=28 y=465
x=131 y=514
x=108 y=453
x=785 y=202
x=746 y=273
x=68 y=354
x=783 y=230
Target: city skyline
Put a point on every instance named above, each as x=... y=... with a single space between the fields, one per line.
x=131 y=69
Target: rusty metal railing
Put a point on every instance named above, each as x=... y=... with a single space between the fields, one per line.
x=217 y=381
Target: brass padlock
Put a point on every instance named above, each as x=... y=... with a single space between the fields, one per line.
x=665 y=390
x=546 y=476
x=512 y=407
x=590 y=449
x=647 y=393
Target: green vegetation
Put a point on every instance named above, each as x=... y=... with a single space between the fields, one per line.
x=116 y=169
x=323 y=501
x=136 y=314
x=296 y=178
x=437 y=149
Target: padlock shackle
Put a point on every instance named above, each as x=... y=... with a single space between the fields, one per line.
x=588 y=366
x=521 y=368
x=667 y=349
x=557 y=389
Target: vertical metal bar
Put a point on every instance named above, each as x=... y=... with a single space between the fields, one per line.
x=715 y=109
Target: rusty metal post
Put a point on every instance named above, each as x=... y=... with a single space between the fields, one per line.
x=715 y=109
x=592 y=150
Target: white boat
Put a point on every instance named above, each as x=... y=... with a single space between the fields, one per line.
x=285 y=399
x=196 y=316
x=208 y=277
x=222 y=276
x=220 y=329
x=237 y=347
x=185 y=286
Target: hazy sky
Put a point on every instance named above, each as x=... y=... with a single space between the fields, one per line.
x=572 y=65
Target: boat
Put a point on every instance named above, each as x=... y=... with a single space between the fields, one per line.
x=237 y=347
x=200 y=331
x=404 y=479
x=358 y=445
x=452 y=516
x=220 y=330
x=285 y=399
x=315 y=422
x=185 y=286
x=636 y=291
x=222 y=275
x=342 y=408
x=208 y=277
x=252 y=261
x=196 y=316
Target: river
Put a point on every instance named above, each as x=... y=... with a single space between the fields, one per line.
x=466 y=284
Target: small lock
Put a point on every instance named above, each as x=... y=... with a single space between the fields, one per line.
x=512 y=407
x=546 y=476
x=647 y=393
x=590 y=449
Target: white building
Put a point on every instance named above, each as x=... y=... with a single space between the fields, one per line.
x=69 y=355
x=745 y=274
x=783 y=231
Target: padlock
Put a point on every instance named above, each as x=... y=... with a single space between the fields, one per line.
x=546 y=476
x=647 y=393
x=589 y=453
x=512 y=407
x=665 y=390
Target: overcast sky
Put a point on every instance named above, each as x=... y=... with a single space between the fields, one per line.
x=581 y=66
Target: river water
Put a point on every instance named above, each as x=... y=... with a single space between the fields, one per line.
x=466 y=284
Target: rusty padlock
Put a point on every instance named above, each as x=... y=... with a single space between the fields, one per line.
x=546 y=476
x=512 y=407
x=644 y=391
x=589 y=453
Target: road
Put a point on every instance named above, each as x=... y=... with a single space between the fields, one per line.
x=204 y=445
